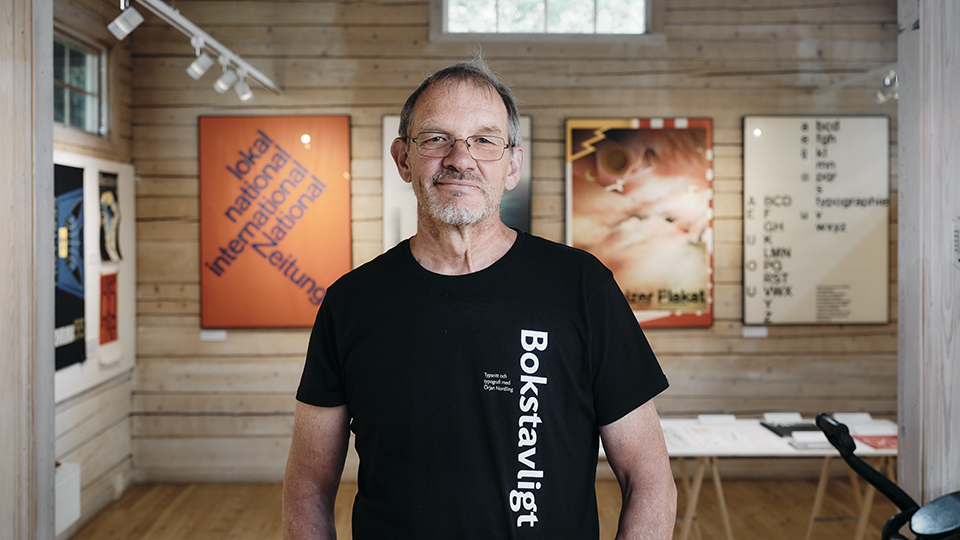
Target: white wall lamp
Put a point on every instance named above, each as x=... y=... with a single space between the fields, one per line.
x=228 y=78
x=202 y=42
x=243 y=89
x=125 y=23
x=203 y=61
x=890 y=88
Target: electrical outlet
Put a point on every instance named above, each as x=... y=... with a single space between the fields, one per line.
x=119 y=485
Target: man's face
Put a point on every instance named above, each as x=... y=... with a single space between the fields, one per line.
x=458 y=190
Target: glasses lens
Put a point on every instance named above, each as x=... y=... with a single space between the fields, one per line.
x=485 y=148
x=434 y=144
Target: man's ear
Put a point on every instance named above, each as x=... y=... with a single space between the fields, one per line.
x=515 y=168
x=399 y=152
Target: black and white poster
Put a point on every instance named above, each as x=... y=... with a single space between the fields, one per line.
x=109 y=218
x=816 y=223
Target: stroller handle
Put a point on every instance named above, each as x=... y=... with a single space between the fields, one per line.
x=839 y=436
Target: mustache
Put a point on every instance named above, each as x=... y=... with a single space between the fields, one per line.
x=456 y=175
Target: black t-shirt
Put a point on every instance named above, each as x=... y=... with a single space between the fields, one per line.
x=476 y=399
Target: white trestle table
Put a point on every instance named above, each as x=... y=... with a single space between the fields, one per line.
x=709 y=438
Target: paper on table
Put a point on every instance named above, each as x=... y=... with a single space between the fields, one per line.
x=716 y=418
x=810 y=440
x=782 y=417
x=878 y=442
x=852 y=417
x=877 y=427
x=809 y=436
x=716 y=438
x=676 y=441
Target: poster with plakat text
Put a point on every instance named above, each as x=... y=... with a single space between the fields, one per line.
x=640 y=198
x=274 y=217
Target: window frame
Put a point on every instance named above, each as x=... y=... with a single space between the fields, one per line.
x=102 y=92
x=653 y=36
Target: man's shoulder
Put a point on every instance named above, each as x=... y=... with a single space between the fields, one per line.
x=554 y=253
x=373 y=271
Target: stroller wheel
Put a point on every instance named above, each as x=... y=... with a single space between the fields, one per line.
x=939 y=518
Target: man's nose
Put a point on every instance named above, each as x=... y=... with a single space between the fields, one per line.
x=459 y=156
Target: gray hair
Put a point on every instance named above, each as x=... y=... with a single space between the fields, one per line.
x=476 y=72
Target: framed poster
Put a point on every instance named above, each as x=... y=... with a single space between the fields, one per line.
x=816 y=221
x=108 y=309
x=640 y=198
x=100 y=330
x=109 y=218
x=274 y=217
x=69 y=312
x=400 y=204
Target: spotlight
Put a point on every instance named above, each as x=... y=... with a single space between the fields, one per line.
x=200 y=66
x=225 y=81
x=243 y=89
x=203 y=61
x=890 y=88
x=885 y=94
x=125 y=23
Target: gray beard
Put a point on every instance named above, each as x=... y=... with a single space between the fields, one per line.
x=452 y=213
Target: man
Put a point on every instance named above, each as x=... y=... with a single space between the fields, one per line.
x=475 y=364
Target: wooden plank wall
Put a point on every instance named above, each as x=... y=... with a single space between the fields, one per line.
x=929 y=350
x=222 y=410
x=26 y=318
x=86 y=21
x=94 y=427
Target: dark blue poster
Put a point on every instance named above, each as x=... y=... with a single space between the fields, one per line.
x=69 y=297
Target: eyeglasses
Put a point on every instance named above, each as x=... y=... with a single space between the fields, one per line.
x=435 y=144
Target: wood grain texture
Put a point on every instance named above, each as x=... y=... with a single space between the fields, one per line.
x=25 y=472
x=239 y=511
x=94 y=428
x=720 y=59
x=930 y=276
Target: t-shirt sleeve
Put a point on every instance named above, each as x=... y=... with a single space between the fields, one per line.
x=626 y=371
x=321 y=383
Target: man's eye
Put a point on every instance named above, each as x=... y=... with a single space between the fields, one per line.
x=481 y=141
x=435 y=139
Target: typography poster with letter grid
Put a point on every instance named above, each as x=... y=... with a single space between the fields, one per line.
x=640 y=198
x=274 y=217
x=816 y=220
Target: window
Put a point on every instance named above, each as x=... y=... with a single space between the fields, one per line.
x=78 y=86
x=598 y=17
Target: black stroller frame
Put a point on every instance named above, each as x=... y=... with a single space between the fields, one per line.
x=937 y=520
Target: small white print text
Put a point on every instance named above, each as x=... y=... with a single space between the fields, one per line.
x=497 y=382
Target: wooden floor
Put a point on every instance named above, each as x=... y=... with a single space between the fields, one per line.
x=758 y=510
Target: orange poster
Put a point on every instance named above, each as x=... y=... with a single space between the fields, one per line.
x=274 y=217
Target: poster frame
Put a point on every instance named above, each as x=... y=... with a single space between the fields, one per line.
x=699 y=265
x=275 y=217
x=108 y=360
x=878 y=164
